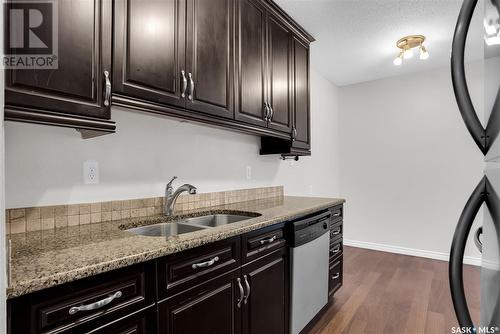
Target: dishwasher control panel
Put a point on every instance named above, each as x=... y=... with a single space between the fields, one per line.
x=309 y=228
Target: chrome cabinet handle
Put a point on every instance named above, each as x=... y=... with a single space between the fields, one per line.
x=241 y=292
x=266 y=112
x=477 y=241
x=268 y=240
x=107 y=93
x=336 y=214
x=191 y=87
x=335 y=250
x=455 y=272
x=337 y=275
x=271 y=112
x=184 y=84
x=337 y=231
x=96 y=305
x=205 y=264
x=460 y=88
x=248 y=289
x=294 y=133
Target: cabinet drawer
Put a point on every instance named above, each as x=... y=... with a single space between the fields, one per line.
x=258 y=243
x=335 y=248
x=336 y=230
x=337 y=213
x=336 y=275
x=90 y=302
x=183 y=270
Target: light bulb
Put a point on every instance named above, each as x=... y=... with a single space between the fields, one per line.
x=423 y=53
x=408 y=53
x=397 y=61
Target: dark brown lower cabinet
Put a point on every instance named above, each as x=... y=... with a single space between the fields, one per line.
x=211 y=307
x=250 y=300
x=73 y=307
x=265 y=308
x=232 y=286
x=336 y=276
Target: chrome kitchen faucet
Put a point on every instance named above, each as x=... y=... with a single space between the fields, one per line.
x=171 y=195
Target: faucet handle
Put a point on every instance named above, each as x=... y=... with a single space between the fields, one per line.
x=169 y=185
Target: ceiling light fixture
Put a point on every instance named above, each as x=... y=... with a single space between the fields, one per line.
x=491 y=32
x=406 y=45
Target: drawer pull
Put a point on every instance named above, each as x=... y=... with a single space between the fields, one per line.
x=96 y=305
x=268 y=240
x=336 y=214
x=335 y=250
x=337 y=275
x=206 y=263
x=337 y=231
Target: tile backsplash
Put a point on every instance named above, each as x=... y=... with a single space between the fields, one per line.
x=21 y=220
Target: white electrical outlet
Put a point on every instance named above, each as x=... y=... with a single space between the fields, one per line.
x=249 y=172
x=90 y=172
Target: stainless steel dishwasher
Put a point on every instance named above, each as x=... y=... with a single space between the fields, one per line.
x=309 y=251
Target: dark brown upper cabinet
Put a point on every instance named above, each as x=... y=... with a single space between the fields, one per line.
x=209 y=60
x=238 y=64
x=251 y=76
x=149 y=50
x=301 y=132
x=299 y=142
x=279 y=72
x=264 y=67
x=175 y=53
x=77 y=93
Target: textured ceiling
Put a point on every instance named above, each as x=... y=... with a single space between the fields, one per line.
x=355 y=39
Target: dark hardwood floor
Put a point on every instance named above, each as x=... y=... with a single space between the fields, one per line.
x=390 y=293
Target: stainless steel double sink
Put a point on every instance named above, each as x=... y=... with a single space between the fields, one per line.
x=188 y=225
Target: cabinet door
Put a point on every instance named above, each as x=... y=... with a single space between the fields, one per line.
x=301 y=118
x=149 y=50
x=76 y=86
x=209 y=57
x=279 y=68
x=266 y=308
x=251 y=68
x=207 y=308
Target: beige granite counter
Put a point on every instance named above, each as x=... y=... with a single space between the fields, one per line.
x=43 y=259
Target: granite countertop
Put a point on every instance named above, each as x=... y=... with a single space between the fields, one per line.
x=43 y=259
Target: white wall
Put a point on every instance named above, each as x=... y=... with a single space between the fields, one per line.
x=44 y=164
x=407 y=162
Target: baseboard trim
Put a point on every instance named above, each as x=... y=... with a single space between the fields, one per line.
x=475 y=261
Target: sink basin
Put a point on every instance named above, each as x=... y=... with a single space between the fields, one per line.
x=187 y=225
x=214 y=220
x=164 y=229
